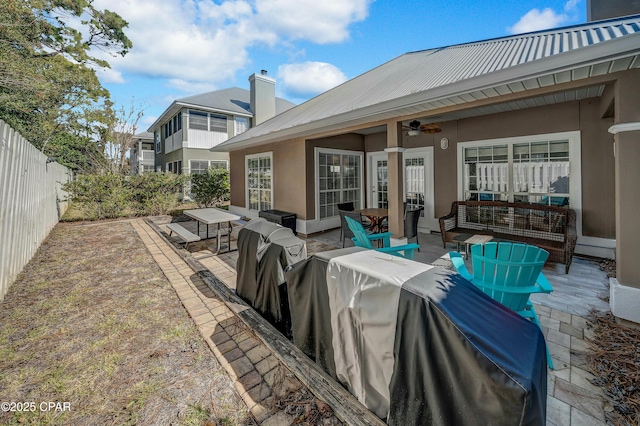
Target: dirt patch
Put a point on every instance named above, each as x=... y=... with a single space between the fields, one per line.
x=614 y=358
x=93 y=322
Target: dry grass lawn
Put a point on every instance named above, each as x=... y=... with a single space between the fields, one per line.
x=93 y=322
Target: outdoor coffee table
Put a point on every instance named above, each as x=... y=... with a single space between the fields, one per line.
x=213 y=216
x=470 y=239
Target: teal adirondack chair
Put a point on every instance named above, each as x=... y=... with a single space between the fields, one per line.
x=362 y=239
x=509 y=273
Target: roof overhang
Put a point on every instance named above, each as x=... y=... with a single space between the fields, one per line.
x=588 y=66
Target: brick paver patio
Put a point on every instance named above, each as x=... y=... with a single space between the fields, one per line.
x=260 y=376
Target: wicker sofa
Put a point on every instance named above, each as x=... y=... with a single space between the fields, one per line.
x=549 y=227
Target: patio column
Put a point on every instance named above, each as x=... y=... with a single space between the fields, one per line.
x=395 y=195
x=625 y=288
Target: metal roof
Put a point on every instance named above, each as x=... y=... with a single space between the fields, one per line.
x=426 y=80
x=233 y=100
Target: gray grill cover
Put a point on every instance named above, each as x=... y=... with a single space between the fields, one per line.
x=265 y=250
x=309 y=305
x=459 y=357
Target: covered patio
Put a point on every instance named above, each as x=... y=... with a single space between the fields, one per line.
x=572 y=399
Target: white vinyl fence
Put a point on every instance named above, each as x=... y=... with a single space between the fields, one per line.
x=31 y=202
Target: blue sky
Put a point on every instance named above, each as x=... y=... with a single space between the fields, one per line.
x=185 y=47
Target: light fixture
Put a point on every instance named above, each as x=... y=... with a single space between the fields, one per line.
x=444 y=143
x=414 y=128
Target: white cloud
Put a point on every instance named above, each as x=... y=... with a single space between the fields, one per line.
x=206 y=42
x=109 y=75
x=190 y=86
x=309 y=78
x=571 y=6
x=536 y=19
x=145 y=122
x=325 y=21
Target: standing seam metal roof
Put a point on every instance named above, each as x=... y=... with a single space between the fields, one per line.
x=421 y=71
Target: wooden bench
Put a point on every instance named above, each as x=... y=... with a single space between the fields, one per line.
x=183 y=233
x=551 y=228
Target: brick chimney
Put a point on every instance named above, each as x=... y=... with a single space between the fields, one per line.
x=263 y=97
x=605 y=9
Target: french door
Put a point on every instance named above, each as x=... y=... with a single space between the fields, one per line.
x=417 y=182
x=378 y=181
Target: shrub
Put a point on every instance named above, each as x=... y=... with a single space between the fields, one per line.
x=112 y=195
x=210 y=189
x=100 y=196
x=156 y=193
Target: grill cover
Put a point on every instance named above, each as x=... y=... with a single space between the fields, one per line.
x=457 y=356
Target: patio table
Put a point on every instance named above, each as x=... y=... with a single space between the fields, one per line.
x=470 y=239
x=417 y=344
x=213 y=216
x=376 y=216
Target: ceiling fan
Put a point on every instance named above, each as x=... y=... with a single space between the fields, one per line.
x=415 y=128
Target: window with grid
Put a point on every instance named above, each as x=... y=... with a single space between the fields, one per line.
x=259 y=182
x=218 y=123
x=158 y=141
x=198 y=167
x=218 y=164
x=339 y=181
x=414 y=182
x=530 y=172
x=486 y=171
x=198 y=120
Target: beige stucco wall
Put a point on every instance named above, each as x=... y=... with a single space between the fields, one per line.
x=598 y=202
x=294 y=170
x=289 y=175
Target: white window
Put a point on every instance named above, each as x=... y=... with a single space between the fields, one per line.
x=218 y=164
x=158 y=141
x=259 y=181
x=200 y=167
x=242 y=125
x=339 y=177
x=414 y=187
x=217 y=123
x=198 y=120
x=540 y=169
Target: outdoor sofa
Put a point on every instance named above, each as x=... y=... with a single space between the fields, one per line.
x=552 y=228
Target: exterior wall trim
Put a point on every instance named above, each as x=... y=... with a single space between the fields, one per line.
x=624 y=127
x=624 y=301
x=395 y=149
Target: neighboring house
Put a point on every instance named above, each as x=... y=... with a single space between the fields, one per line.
x=191 y=126
x=142 y=156
x=567 y=99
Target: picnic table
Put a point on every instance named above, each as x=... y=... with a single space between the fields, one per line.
x=214 y=216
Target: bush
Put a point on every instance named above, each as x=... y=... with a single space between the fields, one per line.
x=100 y=196
x=111 y=195
x=156 y=193
x=210 y=189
